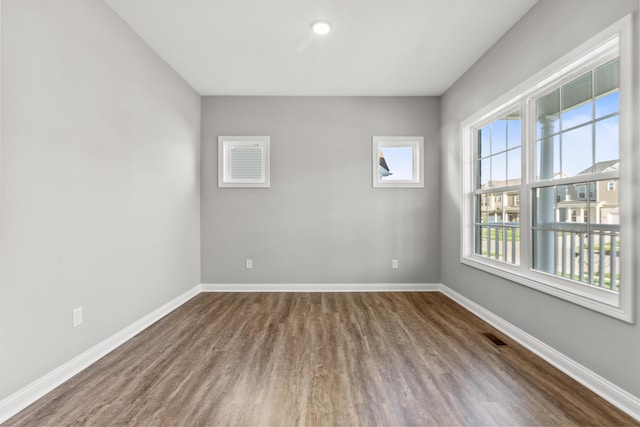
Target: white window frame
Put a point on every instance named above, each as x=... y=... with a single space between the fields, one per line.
x=416 y=143
x=227 y=143
x=615 y=41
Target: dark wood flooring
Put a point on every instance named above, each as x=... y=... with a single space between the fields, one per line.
x=320 y=359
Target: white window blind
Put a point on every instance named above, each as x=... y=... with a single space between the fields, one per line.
x=243 y=161
x=246 y=164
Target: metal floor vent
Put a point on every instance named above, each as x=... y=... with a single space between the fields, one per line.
x=494 y=339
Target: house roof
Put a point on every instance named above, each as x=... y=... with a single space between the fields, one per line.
x=605 y=166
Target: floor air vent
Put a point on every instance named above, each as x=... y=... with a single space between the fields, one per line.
x=494 y=339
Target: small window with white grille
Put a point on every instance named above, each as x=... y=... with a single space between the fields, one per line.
x=243 y=161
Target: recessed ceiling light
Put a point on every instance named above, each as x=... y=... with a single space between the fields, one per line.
x=321 y=27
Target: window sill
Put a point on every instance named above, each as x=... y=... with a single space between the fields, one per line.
x=600 y=300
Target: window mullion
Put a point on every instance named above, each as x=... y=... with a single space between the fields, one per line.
x=528 y=174
x=597 y=176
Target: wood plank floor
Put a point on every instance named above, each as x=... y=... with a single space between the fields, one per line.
x=320 y=359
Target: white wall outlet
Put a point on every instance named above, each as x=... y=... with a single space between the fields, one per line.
x=77 y=316
x=249 y=263
x=394 y=263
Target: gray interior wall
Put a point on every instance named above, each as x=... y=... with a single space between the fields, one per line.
x=550 y=29
x=321 y=221
x=99 y=183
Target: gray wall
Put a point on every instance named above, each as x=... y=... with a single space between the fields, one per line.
x=550 y=29
x=321 y=221
x=99 y=183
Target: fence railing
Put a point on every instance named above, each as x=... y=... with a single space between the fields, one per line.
x=589 y=253
x=586 y=253
x=500 y=242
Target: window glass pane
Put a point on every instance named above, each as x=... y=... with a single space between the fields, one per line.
x=498 y=136
x=514 y=130
x=495 y=208
x=606 y=209
x=481 y=240
x=399 y=161
x=499 y=169
x=604 y=227
x=514 y=166
x=577 y=155
x=563 y=204
x=544 y=205
x=577 y=115
x=511 y=230
x=544 y=250
x=512 y=247
x=485 y=172
x=511 y=205
x=607 y=77
x=548 y=108
x=491 y=242
x=572 y=207
x=608 y=104
x=582 y=242
x=603 y=261
x=484 y=141
x=483 y=204
x=607 y=141
x=577 y=103
x=577 y=92
x=498 y=235
x=548 y=158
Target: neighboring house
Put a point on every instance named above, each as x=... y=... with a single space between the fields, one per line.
x=598 y=204
x=502 y=206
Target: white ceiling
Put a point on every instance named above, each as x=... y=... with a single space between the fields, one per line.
x=266 y=47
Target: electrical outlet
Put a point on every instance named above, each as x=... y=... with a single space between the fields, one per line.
x=394 y=263
x=77 y=316
x=249 y=263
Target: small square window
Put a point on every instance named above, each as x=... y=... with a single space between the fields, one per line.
x=243 y=161
x=611 y=186
x=398 y=161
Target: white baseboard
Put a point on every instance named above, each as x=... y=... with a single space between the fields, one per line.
x=321 y=287
x=24 y=397
x=604 y=388
x=594 y=382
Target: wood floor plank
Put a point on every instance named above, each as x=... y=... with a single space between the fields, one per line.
x=320 y=359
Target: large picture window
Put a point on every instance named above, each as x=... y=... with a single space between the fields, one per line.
x=547 y=173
